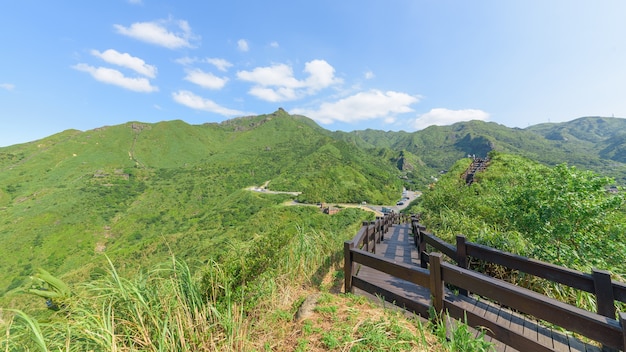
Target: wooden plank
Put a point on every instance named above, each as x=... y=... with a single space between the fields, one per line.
x=544 y=335
x=418 y=293
x=592 y=348
x=516 y=323
x=440 y=245
x=504 y=318
x=530 y=329
x=457 y=306
x=559 y=340
x=619 y=291
x=393 y=297
x=575 y=344
x=403 y=271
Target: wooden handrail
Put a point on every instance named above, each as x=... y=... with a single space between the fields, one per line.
x=402 y=271
x=555 y=273
x=572 y=278
x=594 y=326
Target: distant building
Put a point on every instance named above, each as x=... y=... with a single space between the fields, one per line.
x=330 y=210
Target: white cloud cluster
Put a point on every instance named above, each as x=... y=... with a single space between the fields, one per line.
x=443 y=117
x=126 y=60
x=373 y=104
x=7 y=86
x=242 y=45
x=205 y=79
x=277 y=82
x=193 y=101
x=158 y=33
x=115 y=77
x=221 y=64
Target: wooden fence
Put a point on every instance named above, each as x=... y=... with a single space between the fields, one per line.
x=604 y=326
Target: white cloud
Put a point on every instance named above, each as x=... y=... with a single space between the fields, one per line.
x=273 y=95
x=242 y=45
x=369 y=75
x=274 y=44
x=205 y=79
x=135 y=2
x=115 y=77
x=373 y=104
x=221 y=64
x=126 y=60
x=7 y=86
x=193 y=101
x=443 y=117
x=158 y=33
x=276 y=75
x=277 y=82
x=186 y=61
x=321 y=75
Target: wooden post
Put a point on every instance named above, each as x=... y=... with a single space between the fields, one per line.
x=366 y=235
x=605 y=301
x=379 y=228
x=416 y=233
x=423 y=260
x=622 y=321
x=604 y=293
x=373 y=236
x=461 y=258
x=384 y=222
x=422 y=249
x=347 y=266
x=436 y=282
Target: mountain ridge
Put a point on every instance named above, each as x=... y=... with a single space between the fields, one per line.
x=136 y=189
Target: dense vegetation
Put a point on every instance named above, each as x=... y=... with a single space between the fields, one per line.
x=247 y=302
x=138 y=192
x=105 y=209
x=562 y=215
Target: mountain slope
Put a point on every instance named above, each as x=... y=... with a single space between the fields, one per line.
x=139 y=191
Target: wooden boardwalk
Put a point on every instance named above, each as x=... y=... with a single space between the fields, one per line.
x=398 y=245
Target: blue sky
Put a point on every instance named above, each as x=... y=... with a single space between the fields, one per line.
x=349 y=65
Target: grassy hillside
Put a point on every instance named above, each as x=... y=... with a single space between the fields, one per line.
x=562 y=214
x=139 y=192
x=143 y=194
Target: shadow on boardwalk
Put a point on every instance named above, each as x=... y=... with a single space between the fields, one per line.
x=397 y=246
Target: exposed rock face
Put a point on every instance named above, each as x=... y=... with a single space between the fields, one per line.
x=306 y=308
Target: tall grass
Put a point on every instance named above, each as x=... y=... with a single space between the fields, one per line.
x=164 y=310
x=173 y=308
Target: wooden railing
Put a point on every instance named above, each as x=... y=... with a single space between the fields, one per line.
x=371 y=233
x=434 y=273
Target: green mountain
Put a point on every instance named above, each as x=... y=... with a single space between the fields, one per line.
x=142 y=191
x=593 y=143
x=139 y=192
